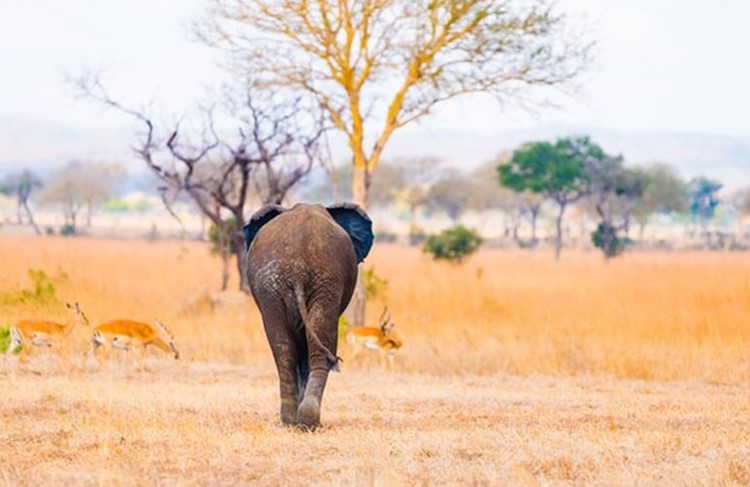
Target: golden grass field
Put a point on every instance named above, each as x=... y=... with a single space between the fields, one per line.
x=516 y=370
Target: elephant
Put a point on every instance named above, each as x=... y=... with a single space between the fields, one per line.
x=302 y=269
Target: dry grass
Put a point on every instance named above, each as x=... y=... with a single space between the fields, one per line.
x=516 y=370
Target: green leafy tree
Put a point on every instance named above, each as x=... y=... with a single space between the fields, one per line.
x=703 y=199
x=454 y=244
x=556 y=170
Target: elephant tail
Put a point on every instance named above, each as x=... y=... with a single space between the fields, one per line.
x=333 y=360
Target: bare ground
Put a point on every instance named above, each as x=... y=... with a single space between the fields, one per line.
x=194 y=423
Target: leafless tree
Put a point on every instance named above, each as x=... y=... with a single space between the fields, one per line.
x=274 y=146
x=664 y=191
x=21 y=185
x=740 y=200
x=82 y=185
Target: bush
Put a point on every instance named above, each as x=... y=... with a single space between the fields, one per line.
x=4 y=338
x=375 y=286
x=221 y=243
x=115 y=205
x=606 y=239
x=453 y=244
x=42 y=291
x=67 y=230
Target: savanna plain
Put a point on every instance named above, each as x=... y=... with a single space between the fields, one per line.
x=515 y=370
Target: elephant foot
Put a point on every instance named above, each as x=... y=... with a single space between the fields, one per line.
x=308 y=414
x=289 y=413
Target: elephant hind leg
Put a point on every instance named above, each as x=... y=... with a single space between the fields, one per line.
x=286 y=356
x=303 y=371
x=310 y=329
x=289 y=389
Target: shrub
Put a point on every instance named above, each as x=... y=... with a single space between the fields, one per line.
x=375 y=286
x=42 y=291
x=67 y=230
x=4 y=338
x=453 y=244
x=606 y=239
x=221 y=243
x=344 y=327
x=115 y=205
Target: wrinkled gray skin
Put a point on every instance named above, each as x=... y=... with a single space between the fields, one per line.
x=302 y=269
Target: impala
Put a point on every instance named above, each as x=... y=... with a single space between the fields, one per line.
x=44 y=333
x=383 y=339
x=127 y=334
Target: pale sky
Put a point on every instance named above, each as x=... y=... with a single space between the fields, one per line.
x=663 y=65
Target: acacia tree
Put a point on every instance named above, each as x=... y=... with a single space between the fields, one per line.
x=21 y=185
x=555 y=170
x=274 y=146
x=390 y=62
x=375 y=66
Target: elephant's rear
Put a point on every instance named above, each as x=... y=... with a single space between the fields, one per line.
x=302 y=248
x=302 y=269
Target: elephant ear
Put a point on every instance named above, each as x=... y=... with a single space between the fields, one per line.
x=357 y=224
x=260 y=218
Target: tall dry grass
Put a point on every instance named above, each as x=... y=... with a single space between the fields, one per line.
x=479 y=396
x=648 y=316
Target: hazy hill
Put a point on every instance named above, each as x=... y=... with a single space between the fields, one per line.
x=45 y=145
x=721 y=157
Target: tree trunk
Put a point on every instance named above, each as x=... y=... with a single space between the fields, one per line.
x=224 y=270
x=355 y=312
x=361 y=187
x=558 y=226
x=238 y=245
x=89 y=213
x=19 y=215
x=534 y=215
x=31 y=217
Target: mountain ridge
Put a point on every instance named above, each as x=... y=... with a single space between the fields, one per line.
x=45 y=145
